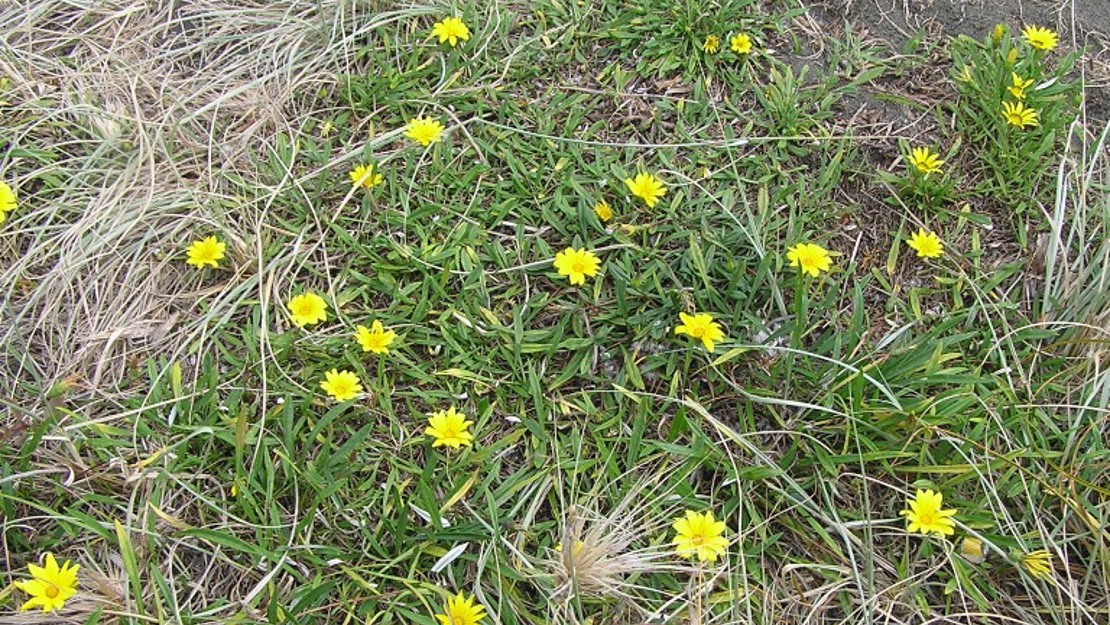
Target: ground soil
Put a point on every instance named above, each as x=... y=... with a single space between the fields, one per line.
x=1081 y=24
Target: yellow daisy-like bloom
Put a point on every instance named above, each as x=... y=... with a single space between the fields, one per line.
x=701 y=327
x=1017 y=114
x=342 y=385
x=577 y=264
x=602 y=210
x=7 y=198
x=307 y=309
x=810 y=258
x=926 y=244
x=424 y=130
x=365 y=176
x=741 y=43
x=1040 y=38
x=451 y=30
x=205 y=252
x=646 y=187
x=461 y=611
x=1037 y=563
x=1018 y=86
x=711 y=44
x=698 y=534
x=49 y=586
x=926 y=516
x=925 y=161
x=448 y=428
x=375 y=338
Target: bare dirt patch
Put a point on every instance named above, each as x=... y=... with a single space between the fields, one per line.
x=1081 y=24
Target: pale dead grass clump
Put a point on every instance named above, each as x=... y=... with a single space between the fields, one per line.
x=149 y=110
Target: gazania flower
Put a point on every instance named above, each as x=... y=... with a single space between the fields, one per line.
x=926 y=244
x=925 y=161
x=701 y=327
x=926 y=516
x=646 y=187
x=998 y=32
x=375 y=338
x=451 y=30
x=424 y=130
x=699 y=534
x=1037 y=563
x=1018 y=86
x=342 y=385
x=602 y=210
x=810 y=258
x=1040 y=38
x=741 y=43
x=972 y=549
x=449 y=428
x=711 y=44
x=1017 y=114
x=577 y=264
x=461 y=610
x=307 y=309
x=365 y=176
x=7 y=200
x=50 y=586
x=205 y=252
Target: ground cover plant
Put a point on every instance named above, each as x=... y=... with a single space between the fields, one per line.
x=547 y=312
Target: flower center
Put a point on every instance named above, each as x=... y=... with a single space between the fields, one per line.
x=578 y=267
x=926 y=518
x=52 y=591
x=457 y=619
x=697 y=540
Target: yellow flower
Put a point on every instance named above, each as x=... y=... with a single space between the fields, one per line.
x=448 y=428
x=810 y=258
x=1037 y=563
x=602 y=210
x=424 y=130
x=925 y=514
x=925 y=161
x=451 y=30
x=972 y=549
x=307 y=309
x=741 y=43
x=365 y=176
x=926 y=244
x=577 y=264
x=711 y=45
x=1012 y=57
x=1017 y=114
x=702 y=327
x=998 y=32
x=342 y=385
x=698 y=534
x=1040 y=38
x=49 y=586
x=646 y=187
x=205 y=252
x=7 y=198
x=461 y=611
x=1018 y=87
x=375 y=339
